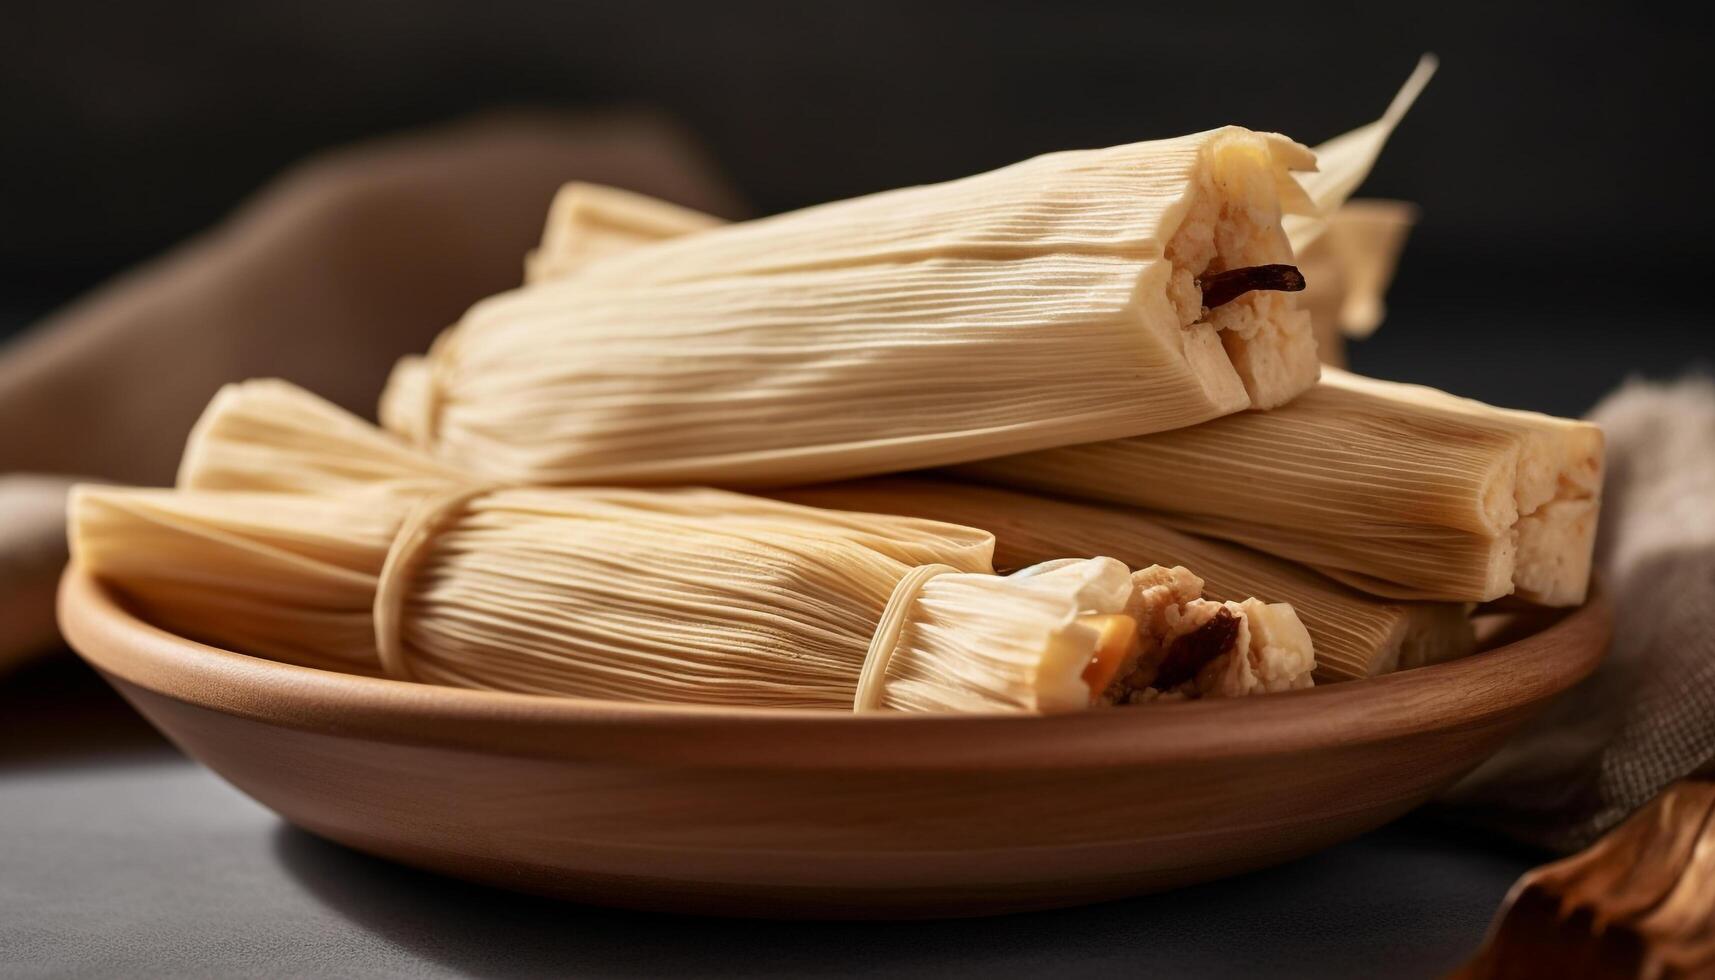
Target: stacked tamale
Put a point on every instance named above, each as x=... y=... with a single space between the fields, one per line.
x=1398 y=489
x=304 y=534
x=1117 y=325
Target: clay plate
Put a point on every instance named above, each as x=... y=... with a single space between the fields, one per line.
x=814 y=814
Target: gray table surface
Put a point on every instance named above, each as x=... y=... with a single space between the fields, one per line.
x=120 y=858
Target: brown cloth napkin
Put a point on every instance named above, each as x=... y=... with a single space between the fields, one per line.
x=1646 y=717
x=324 y=278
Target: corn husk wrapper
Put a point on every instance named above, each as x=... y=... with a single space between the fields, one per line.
x=1356 y=635
x=616 y=221
x=588 y=222
x=1347 y=250
x=1347 y=272
x=1347 y=266
x=290 y=512
x=1049 y=302
x=1345 y=161
x=686 y=596
x=1399 y=490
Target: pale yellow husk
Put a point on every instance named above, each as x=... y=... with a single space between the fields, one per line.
x=587 y=222
x=1397 y=489
x=1356 y=635
x=1347 y=250
x=1347 y=266
x=277 y=542
x=1049 y=302
x=617 y=220
x=1348 y=269
x=1344 y=161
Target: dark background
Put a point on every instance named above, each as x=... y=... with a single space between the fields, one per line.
x=1560 y=156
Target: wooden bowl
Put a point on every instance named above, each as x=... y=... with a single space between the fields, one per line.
x=815 y=814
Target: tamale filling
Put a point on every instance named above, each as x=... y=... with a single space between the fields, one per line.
x=1173 y=644
x=1232 y=266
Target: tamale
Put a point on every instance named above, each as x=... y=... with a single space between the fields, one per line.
x=1346 y=250
x=1356 y=635
x=1348 y=269
x=587 y=222
x=272 y=436
x=672 y=596
x=1347 y=265
x=1057 y=300
x=1397 y=489
x=602 y=592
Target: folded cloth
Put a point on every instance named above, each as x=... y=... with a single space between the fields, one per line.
x=324 y=278
x=32 y=552
x=1646 y=717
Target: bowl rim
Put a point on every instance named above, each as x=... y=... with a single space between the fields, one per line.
x=1463 y=692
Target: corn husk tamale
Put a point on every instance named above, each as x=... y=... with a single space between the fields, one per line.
x=1356 y=635
x=584 y=231
x=1347 y=251
x=1399 y=490
x=668 y=595
x=1347 y=266
x=1053 y=301
x=1348 y=269
x=287 y=533
x=588 y=222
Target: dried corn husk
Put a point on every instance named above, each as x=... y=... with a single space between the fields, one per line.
x=1344 y=161
x=618 y=221
x=1049 y=302
x=1399 y=490
x=1355 y=635
x=267 y=435
x=1348 y=269
x=291 y=516
x=1346 y=250
x=587 y=222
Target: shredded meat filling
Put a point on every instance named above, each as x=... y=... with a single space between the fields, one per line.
x=1192 y=652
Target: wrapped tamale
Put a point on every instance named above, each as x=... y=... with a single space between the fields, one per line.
x=1075 y=296
x=1348 y=269
x=587 y=222
x=1397 y=489
x=1355 y=634
x=1347 y=265
x=1346 y=251
x=269 y=435
x=328 y=545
